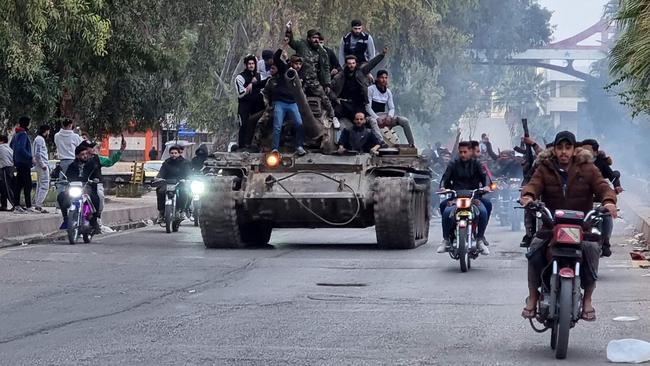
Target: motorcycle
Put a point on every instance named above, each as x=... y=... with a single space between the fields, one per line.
x=505 y=203
x=80 y=212
x=196 y=187
x=173 y=214
x=560 y=302
x=463 y=247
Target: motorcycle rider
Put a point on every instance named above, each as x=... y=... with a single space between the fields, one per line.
x=80 y=170
x=464 y=173
x=603 y=162
x=566 y=179
x=176 y=168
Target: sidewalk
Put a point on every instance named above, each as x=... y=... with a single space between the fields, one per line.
x=24 y=227
x=635 y=208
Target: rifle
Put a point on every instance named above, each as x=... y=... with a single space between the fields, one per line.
x=530 y=159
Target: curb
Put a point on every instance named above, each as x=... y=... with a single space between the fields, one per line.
x=46 y=229
x=636 y=214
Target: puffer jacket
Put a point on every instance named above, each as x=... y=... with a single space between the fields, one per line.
x=584 y=180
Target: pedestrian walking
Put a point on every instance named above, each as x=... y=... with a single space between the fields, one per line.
x=22 y=148
x=7 y=170
x=41 y=163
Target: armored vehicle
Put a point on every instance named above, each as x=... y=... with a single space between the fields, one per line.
x=247 y=195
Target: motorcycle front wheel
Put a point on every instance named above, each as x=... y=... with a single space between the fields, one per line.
x=73 y=226
x=463 y=253
x=563 y=321
x=169 y=218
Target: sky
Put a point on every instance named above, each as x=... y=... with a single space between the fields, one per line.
x=572 y=16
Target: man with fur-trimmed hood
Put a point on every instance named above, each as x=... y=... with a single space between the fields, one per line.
x=566 y=178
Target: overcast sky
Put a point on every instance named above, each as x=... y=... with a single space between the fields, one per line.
x=573 y=16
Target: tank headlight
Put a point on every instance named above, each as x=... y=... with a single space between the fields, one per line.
x=75 y=192
x=273 y=159
x=197 y=187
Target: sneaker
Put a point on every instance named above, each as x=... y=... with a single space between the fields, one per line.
x=30 y=210
x=444 y=247
x=40 y=209
x=182 y=216
x=336 y=123
x=481 y=244
x=19 y=210
x=607 y=250
x=301 y=151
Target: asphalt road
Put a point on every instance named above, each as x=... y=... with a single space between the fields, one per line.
x=316 y=297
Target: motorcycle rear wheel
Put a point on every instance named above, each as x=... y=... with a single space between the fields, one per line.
x=463 y=254
x=563 y=322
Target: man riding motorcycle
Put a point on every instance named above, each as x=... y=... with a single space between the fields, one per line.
x=566 y=179
x=80 y=170
x=464 y=173
x=176 y=168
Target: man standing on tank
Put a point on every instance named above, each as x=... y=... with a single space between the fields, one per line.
x=357 y=43
x=316 y=67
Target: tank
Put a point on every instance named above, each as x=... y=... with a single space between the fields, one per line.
x=246 y=196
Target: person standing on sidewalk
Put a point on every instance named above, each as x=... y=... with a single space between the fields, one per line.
x=153 y=153
x=66 y=140
x=41 y=162
x=21 y=146
x=7 y=176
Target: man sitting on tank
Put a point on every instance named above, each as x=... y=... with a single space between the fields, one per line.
x=359 y=138
x=382 y=107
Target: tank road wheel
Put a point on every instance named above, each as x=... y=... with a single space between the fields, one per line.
x=401 y=213
x=218 y=215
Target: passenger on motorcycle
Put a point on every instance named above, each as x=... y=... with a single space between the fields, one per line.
x=464 y=173
x=176 y=168
x=508 y=165
x=603 y=163
x=566 y=179
x=484 y=160
x=80 y=170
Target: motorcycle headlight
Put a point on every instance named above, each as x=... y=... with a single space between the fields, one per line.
x=197 y=187
x=75 y=192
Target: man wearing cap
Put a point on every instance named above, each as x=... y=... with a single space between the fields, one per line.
x=566 y=179
x=316 y=67
x=249 y=90
x=357 y=43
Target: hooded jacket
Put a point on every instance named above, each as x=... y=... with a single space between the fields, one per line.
x=66 y=141
x=22 y=149
x=576 y=192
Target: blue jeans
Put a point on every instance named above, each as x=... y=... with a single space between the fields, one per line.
x=448 y=221
x=280 y=110
x=488 y=206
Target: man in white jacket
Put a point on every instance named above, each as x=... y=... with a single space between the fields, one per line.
x=41 y=164
x=66 y=140
x=382 y=108
x=7 y=175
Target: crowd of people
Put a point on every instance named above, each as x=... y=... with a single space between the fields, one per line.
x=343 y=84
x=79 y=160
x=567 y=174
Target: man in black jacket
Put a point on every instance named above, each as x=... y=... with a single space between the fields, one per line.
x=174 y=168
x=335 y=65
x=464 y=173
x=80 y=170
x=358 y=137
x=249 y=86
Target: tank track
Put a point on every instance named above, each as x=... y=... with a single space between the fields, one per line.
x=401 y=213
x=218 y=215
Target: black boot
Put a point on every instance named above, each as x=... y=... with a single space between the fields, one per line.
x=525 y=241
x=607 y=250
